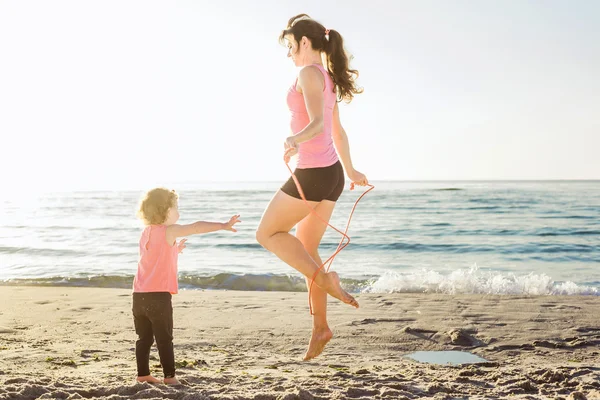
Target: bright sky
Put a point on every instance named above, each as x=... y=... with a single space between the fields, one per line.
x=114 y=94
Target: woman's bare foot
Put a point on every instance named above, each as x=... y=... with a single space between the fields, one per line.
x=147 y=378
x=317 y=343
x=171 y=381
x=331 y=284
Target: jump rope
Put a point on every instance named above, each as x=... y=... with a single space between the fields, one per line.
x=344 y=234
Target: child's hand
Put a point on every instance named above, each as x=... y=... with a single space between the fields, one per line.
x=228 y=226
x=181 y=245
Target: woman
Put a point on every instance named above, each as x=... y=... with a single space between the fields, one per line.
x=316 y=128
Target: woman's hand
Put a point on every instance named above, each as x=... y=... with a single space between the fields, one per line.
x=358 y=178
x=290 y=149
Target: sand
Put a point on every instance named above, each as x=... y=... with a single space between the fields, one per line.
x=73 y=343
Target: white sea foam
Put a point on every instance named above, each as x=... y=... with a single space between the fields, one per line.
x=475 y=281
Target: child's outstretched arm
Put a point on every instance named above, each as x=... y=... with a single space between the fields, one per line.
x=174 y=231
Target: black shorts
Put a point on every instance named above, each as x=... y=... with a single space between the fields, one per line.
x=318 y=184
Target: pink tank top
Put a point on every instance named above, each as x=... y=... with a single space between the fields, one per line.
x=319 y=151
x=157 y=266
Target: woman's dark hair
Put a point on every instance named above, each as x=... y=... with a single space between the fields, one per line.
x=332 y=44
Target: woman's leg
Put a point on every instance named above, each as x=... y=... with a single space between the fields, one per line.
x=281 y=215
x=310 y=232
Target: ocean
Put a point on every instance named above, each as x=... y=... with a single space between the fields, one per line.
x=495 y=237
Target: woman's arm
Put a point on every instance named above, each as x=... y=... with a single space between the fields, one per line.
x=312 y=84
x=342 y=145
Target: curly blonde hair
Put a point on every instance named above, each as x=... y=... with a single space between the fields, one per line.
x=154 y=206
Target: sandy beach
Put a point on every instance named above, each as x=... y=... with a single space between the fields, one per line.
x=73 y=343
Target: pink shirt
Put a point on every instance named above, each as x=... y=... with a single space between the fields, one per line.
x=157 y=266
x=319 y=151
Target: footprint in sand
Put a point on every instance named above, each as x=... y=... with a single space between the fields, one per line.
x=567 y=307
x=22 y=328
x=408 y=329
x=88 y=353
x=548 y=344
x=467 y=315
x=560 y=306
x=362 y=371
x=586 y=329
x=462 y=337
x=546 y=375
x=79 y=309
x=369 y=321
x=354 y=393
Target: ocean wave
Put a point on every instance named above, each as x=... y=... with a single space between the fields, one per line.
x=221 y=281
x=476 y=281
x=568 y=217
x=465 y=248
x=569 y=232
x=557 y=251
x=462 y=281
x=41 y=251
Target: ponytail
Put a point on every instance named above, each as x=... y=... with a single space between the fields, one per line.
x=331 y=43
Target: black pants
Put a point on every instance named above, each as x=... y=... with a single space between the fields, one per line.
x=153 y=318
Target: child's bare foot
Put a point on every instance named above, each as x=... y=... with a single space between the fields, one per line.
x=331 y=284
x=147 y=378
x=317 y=343
x=171 y=381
